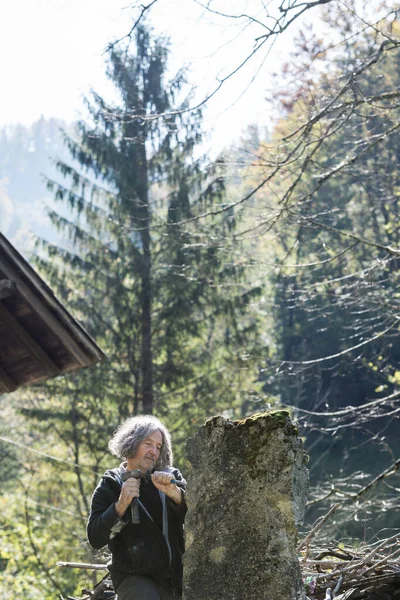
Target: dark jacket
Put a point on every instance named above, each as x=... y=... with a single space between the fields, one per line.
x=138 y=549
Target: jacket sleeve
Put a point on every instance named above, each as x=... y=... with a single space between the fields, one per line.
x=179 y=510
x=103 y=517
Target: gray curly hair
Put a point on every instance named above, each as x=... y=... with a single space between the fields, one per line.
x=128 y=437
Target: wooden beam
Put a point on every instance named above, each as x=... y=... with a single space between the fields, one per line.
x=7 y=288
x=29 y=343
x=38 y=306
x=6 y=382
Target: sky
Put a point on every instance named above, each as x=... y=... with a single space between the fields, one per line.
x=53 y=54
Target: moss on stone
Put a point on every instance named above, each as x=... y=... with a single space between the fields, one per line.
x=257 y=430
x=275 y=416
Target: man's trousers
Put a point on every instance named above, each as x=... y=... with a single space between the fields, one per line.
x=141 y=588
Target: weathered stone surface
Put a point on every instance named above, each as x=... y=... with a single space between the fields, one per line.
x=246 y=495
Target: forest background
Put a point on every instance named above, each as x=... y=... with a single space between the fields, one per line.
x=264 y=277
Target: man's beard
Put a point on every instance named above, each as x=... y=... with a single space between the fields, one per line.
x=147 y=464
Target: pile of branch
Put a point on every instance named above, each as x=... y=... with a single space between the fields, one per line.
x=102 y=591
x=368 y=572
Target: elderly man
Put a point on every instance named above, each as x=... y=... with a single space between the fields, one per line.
x=147 y=555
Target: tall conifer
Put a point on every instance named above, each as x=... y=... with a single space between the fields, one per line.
x=145 y=273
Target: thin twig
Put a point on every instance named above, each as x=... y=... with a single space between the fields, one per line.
x=316 y=528
x=76 y=565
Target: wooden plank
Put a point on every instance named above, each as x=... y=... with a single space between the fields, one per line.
x=6 y=382
x=44 y=313
x=29 y=343
x=7 y=288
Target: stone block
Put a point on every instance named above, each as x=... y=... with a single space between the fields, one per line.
x=246 y=496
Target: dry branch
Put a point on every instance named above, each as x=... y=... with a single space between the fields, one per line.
x=370 y=571
x=76 y=565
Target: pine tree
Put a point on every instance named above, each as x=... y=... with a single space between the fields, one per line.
x=145 y=274
x=135 y=244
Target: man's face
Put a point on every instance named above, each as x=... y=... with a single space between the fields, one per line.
x=147 y=454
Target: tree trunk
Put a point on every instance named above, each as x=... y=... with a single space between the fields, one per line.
x=147 y=358
x=146 y=292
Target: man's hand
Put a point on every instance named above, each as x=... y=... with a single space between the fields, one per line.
x=162 y=481
x=129 y=490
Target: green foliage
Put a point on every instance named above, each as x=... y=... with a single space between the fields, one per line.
x=36 y=523
x=10 y=428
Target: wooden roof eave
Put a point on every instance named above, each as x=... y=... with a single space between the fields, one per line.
x=22 y=280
